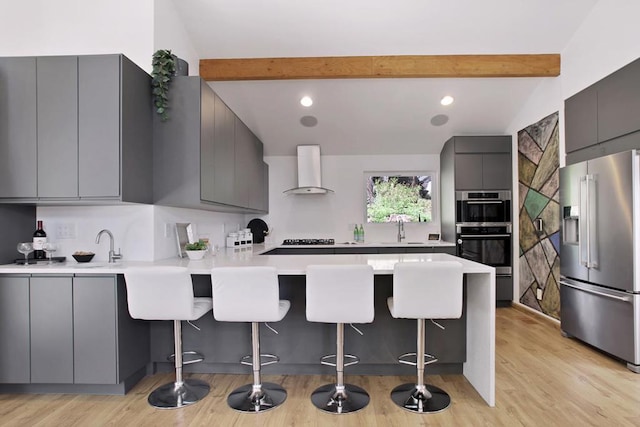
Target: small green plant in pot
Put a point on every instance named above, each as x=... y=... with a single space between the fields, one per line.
x=164 y=68
x=196 y=250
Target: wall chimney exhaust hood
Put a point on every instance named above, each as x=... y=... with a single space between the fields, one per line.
x=309 y=172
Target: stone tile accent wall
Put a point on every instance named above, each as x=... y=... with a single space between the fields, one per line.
x=538 y=184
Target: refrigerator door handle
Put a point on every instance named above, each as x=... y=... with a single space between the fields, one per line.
x=583 y=232
x=591 y=291
x=592 y=233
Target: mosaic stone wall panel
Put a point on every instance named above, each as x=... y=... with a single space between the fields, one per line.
x=538 y=184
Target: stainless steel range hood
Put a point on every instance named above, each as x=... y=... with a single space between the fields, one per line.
x=309 y=172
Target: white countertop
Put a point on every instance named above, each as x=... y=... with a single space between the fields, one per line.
x=286 y=264
x=479 y=368
x=427 y=244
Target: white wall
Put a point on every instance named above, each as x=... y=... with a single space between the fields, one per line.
x=606 y=41
x=334 y=215
x=76 y=27
x=169 y=33
x=139 y=230
x=131 y=225
x=213 y=225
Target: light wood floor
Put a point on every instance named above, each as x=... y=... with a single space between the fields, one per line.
x=542 y=379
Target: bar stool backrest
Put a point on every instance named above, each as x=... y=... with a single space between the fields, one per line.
x=246 y=294
x=427 y=290
x=159 y=293
x=340 y=293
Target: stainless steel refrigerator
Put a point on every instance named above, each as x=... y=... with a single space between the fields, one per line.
x=600 y=254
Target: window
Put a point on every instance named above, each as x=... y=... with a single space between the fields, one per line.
x=406 y=196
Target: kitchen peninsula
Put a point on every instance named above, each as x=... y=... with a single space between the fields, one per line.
x=299 y=343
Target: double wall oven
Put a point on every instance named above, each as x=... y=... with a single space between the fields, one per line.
x=483 y=228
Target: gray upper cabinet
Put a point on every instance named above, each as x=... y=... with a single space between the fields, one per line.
x=18 y=138
x=468 y=171
x=83 y=127
x=602 y=119
x=217 y=160
x=218 y=157
x=99 y=126
x=496 y=171
x=581 y=120
x=619 y=102
x=245 y=163
x=57 y=88
x=485 y=165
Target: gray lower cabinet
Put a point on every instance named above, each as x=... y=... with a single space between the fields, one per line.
x=81 y=130
x=51 y=318
x=18 y=138
x=361 y=250
x=71 y=331
x=504 y=288
x=94 y=330
x=15 y=363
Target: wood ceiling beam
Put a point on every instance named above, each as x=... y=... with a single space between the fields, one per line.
x=363 y=67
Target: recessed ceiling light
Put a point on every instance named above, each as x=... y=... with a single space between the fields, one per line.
x=447 y=100
x=306 y=101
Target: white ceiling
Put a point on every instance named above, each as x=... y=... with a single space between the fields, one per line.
x=377 y=116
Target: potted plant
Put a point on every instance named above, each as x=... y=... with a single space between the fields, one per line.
x=164 y=68
x=196 y=250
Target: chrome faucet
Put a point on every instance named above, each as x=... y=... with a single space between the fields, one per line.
x=400 y=230
x=112 y=255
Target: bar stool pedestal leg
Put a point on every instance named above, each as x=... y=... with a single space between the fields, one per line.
x=340 y=398
x=256 y=397
x=420 y=397
x=181 y=392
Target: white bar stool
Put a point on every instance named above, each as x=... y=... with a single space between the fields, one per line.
x=424 y=290
x=250 y=294
x=166 y=293
x=340 y=294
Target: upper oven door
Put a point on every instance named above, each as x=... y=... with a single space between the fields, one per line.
x=490 y=249
x=483 y=207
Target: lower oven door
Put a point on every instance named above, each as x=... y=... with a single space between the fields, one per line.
x=490 y=249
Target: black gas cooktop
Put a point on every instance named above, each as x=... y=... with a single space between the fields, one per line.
x=308 y=242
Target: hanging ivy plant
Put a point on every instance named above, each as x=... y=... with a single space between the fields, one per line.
x=164 y=68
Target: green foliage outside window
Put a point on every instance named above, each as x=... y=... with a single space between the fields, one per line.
x=393 y=198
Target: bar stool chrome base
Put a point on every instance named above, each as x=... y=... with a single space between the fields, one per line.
x=350 y=398
x=409 y=397
x=174 y=395
x=261 y=398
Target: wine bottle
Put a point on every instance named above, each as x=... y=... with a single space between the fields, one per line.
x=39 y=239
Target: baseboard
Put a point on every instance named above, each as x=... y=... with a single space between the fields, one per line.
x=528 y=310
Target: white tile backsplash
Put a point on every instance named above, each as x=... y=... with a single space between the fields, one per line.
x=138 y=230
